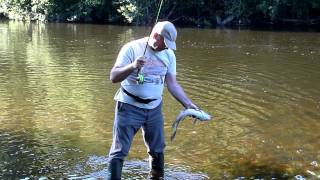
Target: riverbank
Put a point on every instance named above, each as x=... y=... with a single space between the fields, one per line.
x=257 y=27
x=187 y=13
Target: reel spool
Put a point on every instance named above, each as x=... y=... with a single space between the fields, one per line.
x=140 y=78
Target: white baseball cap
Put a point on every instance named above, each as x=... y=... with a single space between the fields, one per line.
x=167 y=30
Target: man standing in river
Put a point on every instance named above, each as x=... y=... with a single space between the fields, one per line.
x=139 y=104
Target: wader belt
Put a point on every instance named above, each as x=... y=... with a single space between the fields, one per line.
x=138 y=99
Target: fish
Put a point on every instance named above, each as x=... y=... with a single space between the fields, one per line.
x=197 y=114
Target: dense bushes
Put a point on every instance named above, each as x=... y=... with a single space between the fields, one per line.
x=60 y=10
x=183 y=12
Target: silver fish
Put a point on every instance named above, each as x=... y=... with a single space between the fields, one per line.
x=197 y=114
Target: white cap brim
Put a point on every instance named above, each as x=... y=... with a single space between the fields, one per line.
x=170 y=44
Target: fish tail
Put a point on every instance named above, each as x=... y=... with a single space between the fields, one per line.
x=175 y=128
x=173 y=135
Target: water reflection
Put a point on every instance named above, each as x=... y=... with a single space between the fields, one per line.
x=57 y=103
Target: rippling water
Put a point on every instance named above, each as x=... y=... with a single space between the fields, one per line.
x=261 y=87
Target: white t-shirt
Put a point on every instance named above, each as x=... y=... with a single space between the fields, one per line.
x=157 y=65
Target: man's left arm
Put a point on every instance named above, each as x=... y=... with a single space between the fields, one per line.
x=177 y=91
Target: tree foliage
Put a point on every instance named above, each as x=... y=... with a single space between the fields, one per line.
x=184 y=12
x=25 y=9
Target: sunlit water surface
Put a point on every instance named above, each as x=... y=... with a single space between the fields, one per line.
x=57 y=108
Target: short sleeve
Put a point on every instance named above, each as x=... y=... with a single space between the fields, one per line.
x=172 y=69
x=125 y=56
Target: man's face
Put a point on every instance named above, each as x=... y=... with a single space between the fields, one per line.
x=157 y=42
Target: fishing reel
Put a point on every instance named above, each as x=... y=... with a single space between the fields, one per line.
x=140 y=78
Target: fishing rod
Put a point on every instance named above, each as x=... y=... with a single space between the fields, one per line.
x=140 y=75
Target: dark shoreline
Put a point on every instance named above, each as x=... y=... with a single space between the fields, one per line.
x=256 y=27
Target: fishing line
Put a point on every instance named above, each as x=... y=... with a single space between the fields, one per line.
x=140 y=76
x=145 y=49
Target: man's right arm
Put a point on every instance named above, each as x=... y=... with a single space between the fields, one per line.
x=118 y=74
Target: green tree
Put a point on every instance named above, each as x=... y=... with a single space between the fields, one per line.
x=182 y=12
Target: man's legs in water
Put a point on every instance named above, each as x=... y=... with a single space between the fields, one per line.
x=153 y=133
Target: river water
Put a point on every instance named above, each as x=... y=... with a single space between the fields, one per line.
x=57 y=108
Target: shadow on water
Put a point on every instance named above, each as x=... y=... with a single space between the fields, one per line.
x=27 y=153
x=254 y=170
x=96 y=167
x=270 y=169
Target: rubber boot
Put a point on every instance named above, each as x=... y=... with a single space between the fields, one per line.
x=115 y=169
x=156 y=161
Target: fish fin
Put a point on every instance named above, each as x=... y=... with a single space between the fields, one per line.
x=173 y=124
x=172 y=136
x=175 y=129
x=195 y=120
